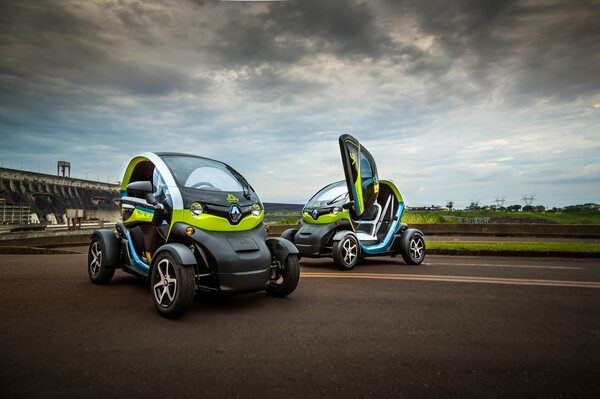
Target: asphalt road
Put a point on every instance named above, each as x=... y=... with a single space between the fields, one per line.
x=453 y=327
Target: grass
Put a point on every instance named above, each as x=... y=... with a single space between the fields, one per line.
x=421 y=217
x=516 y=246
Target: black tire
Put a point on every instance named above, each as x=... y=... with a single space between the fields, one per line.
x=172 y=286
x=98 y=269
x=414 y=254
x=346 y=252
x=285 y=277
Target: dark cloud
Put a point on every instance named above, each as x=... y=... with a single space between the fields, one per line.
x=437 y=89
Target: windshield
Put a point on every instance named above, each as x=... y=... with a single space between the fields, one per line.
x=334 y=194
x=202 y=173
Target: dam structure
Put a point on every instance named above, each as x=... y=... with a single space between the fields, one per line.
x=29 y=197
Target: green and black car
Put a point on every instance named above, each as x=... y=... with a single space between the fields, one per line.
x=357 y=217
x=190 y=223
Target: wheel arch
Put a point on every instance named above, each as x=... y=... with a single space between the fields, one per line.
x=111 y=246
x=280 y=248
x=182 y=254
x=405 y=238
x=343 y=233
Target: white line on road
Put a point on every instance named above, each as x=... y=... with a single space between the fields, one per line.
x=456 y=279
x=504 y=265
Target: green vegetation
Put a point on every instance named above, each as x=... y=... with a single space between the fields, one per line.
x=498 y=216
x=516 y=246
x=574 y=214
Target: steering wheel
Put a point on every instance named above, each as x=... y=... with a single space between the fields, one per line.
x=202 y=183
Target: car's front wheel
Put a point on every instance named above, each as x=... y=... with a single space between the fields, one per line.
x=346 y=252
x=98 y=270
x=284 y=276
x=172 y=286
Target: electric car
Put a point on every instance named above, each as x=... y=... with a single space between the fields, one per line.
x=357 y=217
x=191 y=224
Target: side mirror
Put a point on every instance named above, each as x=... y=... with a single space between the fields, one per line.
x=139 y=188
x=348 y=205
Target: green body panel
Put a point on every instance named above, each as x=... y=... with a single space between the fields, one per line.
x=328 y=218
x=393 y=187
x=217 y=223
x=129 y=170
x=355 y=156
x=140 y=214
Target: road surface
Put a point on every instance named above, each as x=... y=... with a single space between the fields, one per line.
x=453 y=327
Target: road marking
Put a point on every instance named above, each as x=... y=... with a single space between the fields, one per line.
x=456 y=279
x=501 y=265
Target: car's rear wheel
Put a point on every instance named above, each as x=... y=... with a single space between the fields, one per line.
x=346 y=252
x=414 y=254
x=172 y=286
x=284 y=276
x=98 y=270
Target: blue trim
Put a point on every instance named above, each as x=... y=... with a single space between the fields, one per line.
x=123 y=193
x=140 y=264
x=389 y=237
x=141 y=208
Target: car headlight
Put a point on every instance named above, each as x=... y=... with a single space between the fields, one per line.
x=256 y=210
x=196 y=209
x=335 y=210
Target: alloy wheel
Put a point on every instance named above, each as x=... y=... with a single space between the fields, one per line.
x=350 y=251
x=416 y=248
x=96 y=261
x=166 y=288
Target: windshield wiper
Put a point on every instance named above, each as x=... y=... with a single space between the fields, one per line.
x=337 y=198
x=245 y=184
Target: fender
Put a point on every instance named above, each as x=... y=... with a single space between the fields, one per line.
x=404 y=238
x=111 y=247
x=280 y=248
x=342 y=233
x=183 y=255
x=289 y=234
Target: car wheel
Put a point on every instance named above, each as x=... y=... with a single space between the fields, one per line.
x=172 y=286
x=415 y=253
x=284 y=276
x=346 y=252
x=98 y=270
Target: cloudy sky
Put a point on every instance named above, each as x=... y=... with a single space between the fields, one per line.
x=457 y=100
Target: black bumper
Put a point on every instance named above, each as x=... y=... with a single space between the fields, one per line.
x=238 y=262
x=312 y=239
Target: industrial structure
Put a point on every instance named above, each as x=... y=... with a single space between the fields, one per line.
x=29 y=197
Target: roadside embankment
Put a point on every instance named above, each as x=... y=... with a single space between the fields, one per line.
x=463 y=244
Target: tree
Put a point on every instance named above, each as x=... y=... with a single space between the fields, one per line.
x=513 y=208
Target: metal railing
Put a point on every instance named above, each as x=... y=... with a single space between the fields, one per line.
x=14 y=213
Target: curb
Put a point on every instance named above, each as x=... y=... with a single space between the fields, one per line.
x=536 y=254
x=19 y=250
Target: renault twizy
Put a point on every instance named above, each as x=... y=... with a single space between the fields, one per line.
x=189 y=224
x=359 y=217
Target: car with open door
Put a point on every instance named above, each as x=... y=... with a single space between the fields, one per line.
x=357 y=217
x=191 y=224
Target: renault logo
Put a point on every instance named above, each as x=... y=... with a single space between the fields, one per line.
x=235 y=213
x=315 y=214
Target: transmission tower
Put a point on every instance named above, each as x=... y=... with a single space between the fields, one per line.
x=500 y=201
x=528 y=199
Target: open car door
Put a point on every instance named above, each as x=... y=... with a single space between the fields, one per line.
x=361 y=175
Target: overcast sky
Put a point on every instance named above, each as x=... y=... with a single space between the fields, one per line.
x=456 y=100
